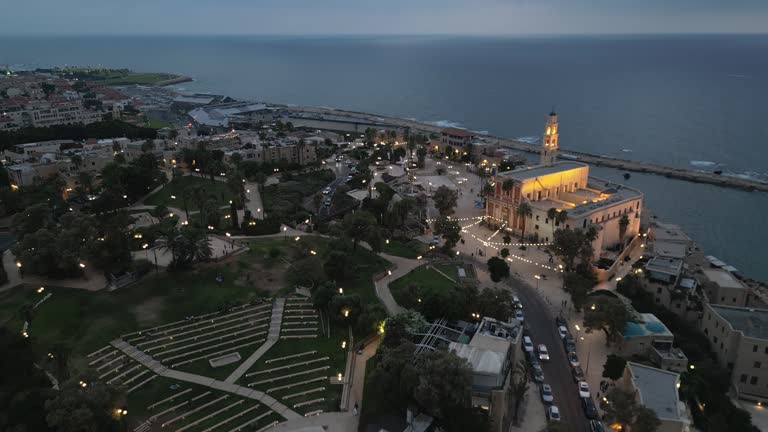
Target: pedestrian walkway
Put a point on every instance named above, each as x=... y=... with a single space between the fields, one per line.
x=272 y=338
x=404 y=266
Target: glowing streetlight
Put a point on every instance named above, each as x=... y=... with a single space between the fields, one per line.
x=341 y=290
x=40 y=290
x=82 y=265
x=343 y=344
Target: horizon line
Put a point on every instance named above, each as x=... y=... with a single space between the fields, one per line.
x=478 y=35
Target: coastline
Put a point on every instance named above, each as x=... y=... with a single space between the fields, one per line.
x=692 y=176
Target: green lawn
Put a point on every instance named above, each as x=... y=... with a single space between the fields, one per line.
x=427 y=279
x=158 y=124
x=220 y=194
x=411 y=249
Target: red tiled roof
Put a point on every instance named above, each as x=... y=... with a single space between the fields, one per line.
x=458 y=132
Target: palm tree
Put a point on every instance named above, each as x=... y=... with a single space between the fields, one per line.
x=487 y=189
x=552 y=215
x=159 y=212
x=623 y=224
x=59 y=355
x=524 y=211
x=562 y=217
x=77 y=161
x=518 y=386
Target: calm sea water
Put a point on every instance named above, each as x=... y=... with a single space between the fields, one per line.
x=689 y=101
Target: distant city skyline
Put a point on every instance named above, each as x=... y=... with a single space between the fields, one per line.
x=339 y=17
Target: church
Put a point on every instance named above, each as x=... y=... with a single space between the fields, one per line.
x=533 y=202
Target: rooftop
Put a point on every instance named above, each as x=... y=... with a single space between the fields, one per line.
x=649 y=325
x=218 y=115
x=668 y=232
x=482 y=360
x=667 y=248
x=723 y=278
x=458 y=132
x=657 y=389
x=752 y=322
x=540 y=170
x=495 y=335
x=664 y=265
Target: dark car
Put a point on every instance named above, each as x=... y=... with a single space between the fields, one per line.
x=538 y=373
x=569 y=346
x=596 y=426
x=578 y=374
x=589 y=408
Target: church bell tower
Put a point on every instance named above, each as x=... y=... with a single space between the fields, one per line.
x=549 y=144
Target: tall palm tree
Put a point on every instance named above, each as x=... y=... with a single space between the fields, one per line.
x=623 y=224
x=507 y=185
x=60 y=360
x=552 y=215
x=562 y=217
x=524 y=211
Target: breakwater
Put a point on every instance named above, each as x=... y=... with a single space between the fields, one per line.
x=604 y=161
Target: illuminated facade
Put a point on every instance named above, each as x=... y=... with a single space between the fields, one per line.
x=566 y=187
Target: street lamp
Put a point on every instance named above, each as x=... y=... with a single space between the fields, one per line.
x=538 y=278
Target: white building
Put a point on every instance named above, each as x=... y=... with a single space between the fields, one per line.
x=657 y=390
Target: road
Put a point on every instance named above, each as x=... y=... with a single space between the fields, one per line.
x=341 y=170
x=557 y=371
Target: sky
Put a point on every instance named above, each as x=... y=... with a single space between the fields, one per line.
x=311 y=17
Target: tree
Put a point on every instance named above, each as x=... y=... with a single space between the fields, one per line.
x=148 y=146
x=76 y=409
x=186 y=245
x=507 y=185
x=571 y=244
x=445 y=200
x=444 y=382
x=317 y=201
x=552 y=215
x=619 y=406
x=23 y=387
x=495 y=303
x=507 y=239
x=498 y=268
x=519 y=386
x=30 y=220
x=307 y=272
x=623 y=224
x=421 y=154
x=613 y=368
x=336 y=265
x=504 y=252
x=59 y=357
x=579 y=285
x=452 y=303
x=359 y=226
x=646 y=420
x=77 y=161
x=236 y=159
x=562 y=217
x=394 y=376
x=524 y=211
x=608 y=314
x=450 y=230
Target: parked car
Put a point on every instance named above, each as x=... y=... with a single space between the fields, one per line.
x=516 y=303
x=583 y=389
x=578 y=374
x=589 y=408
x=538 y=373
x=519 y=315
x=573 y=359
x=326 y=191
x=562 y=331
x=553 y=413
x=596 y=426
x=527 y=344
x=543 y=353
x=560 y=322
x=546 y=394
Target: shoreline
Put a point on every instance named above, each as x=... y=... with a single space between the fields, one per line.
x=683 y=174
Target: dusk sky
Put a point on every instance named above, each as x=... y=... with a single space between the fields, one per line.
x=297 y=17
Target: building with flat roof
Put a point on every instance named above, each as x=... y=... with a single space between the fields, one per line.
x=657 y=390
x=567 y=188
x=664 y=269
x=641 y=336
x=721 y=287
x=739 y=338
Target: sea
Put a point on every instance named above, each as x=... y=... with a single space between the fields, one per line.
x=696 y=101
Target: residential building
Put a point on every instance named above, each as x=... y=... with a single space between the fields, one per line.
x=739 y=338
x=641 y=336
x=721 y=287
x=25 y=174
x=566 y=187
x=657 y=390
x=663 y=269
x=459 y=140
x=218 y=116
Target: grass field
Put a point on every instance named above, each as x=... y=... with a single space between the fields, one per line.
x=220 y=194
x=158 y=124
x=411 y=249
x=427 y=279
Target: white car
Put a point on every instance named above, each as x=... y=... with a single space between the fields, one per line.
x=326 y=191
x=563 y=331
x=553 y=413
x=543 y=353
x=527 y=344
x=546 y=394
x=573 y=359
x=519 y=315
x=583 y=389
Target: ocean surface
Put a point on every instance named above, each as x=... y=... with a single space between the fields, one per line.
x=698 y=102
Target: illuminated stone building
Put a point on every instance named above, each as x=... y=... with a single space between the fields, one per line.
x=567 y=187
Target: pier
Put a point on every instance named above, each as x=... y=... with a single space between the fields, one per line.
x=596 y=160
